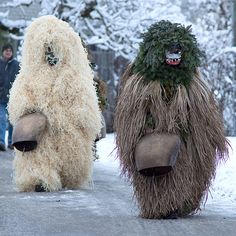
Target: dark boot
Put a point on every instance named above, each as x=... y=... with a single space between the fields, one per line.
x=39 y=188
x=173 y=215
x=2 y=147
x=10 y=147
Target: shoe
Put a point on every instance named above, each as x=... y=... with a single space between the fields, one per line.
x=39 y=188
x=2 y=147
x=10 y=147
x=173 y=215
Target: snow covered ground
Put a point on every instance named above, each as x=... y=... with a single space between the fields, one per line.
x=222 y=194
x=223 y=191
x=107 y=208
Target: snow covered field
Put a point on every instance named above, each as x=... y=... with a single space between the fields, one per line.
x=222 y=194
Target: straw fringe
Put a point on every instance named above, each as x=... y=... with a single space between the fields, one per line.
x=193 y=115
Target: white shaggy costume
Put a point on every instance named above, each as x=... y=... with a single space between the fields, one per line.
x=65 y=94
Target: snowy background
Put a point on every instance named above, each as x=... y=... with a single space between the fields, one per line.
x=222 y=193
x=116 y=26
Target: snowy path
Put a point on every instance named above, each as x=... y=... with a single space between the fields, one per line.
x=107 y=208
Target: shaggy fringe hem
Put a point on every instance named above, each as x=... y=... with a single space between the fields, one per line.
x=193 y=115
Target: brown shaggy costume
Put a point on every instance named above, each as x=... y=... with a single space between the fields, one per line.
x=192 y=114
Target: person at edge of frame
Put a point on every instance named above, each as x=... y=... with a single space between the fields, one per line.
x=9 y=68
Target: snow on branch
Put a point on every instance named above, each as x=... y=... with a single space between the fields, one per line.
x=224 y=51
x=115 y=25
x=4 y=14
x=16 y=3
x=16 y=37
x=14 y=23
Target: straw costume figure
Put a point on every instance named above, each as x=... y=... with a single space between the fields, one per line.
x=54 y=109
x=169 y=132
x=101 y=89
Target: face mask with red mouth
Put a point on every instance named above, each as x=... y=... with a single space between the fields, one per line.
x=173 y=55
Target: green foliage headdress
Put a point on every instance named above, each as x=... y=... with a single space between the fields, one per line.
x=151 y=59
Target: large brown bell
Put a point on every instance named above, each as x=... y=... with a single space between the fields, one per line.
x=156 y=154
x=27 y=131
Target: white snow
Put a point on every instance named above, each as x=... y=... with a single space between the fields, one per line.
x=223 y=191
x=15 y=3
x=107 y=154
x=222 y=195
x=14 y=23
x=223 y=51
x=4 y=14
